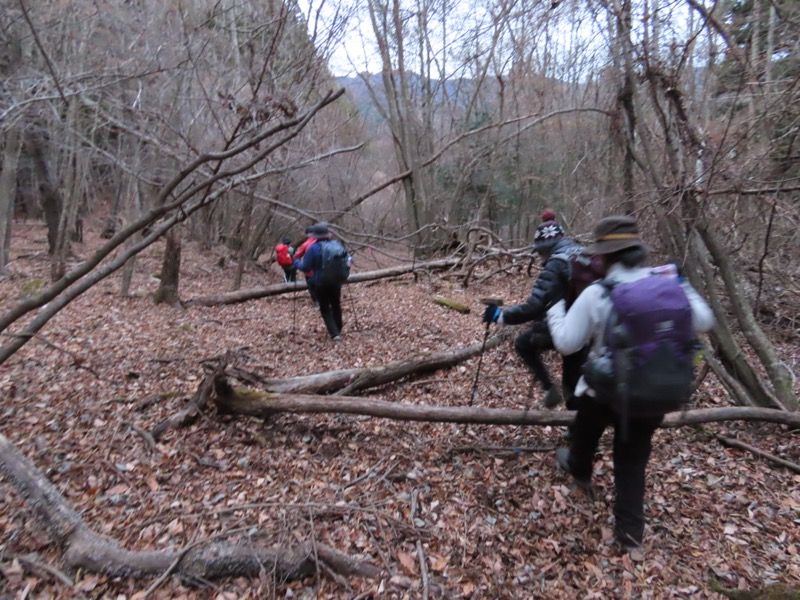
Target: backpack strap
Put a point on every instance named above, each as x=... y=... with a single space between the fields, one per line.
x=608 y=284
x=567 y=257
x=622 y=360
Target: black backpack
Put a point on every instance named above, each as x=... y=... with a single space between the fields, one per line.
x=584 y=269
x=334 y=266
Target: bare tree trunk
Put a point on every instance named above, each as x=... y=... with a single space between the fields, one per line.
x=72 y=186
x=770 y=49
x=755 y=44
x=779 y=374
x=626 y=100
x=242 y=253
x=741 y=380
x=133 y=209
x=259 y=243
x=401 y=113
x=117 y=204
x=8 y=191
x=127 y=275
x=167 y=292
x=51 y=197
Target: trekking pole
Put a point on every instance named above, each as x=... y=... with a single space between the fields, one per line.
x=353 y=306
x=486 y=301
x=294 y=305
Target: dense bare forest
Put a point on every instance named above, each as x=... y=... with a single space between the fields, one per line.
x=174 y=421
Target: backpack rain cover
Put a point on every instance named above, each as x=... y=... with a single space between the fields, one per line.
x=334 y=268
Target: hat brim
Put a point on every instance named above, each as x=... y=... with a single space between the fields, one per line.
x=611 y=246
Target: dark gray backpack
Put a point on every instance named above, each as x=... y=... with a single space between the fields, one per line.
x=334 y=264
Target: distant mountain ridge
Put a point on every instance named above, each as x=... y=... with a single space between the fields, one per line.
x=457 y=91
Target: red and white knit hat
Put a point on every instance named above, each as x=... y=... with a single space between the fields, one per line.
x=548 y=232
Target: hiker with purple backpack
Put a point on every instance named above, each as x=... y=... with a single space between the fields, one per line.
x=642 y=327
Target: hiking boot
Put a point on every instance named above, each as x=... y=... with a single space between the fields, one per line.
x=337 y=339
x=562 y=459
x=628 y=545
x=552 y=397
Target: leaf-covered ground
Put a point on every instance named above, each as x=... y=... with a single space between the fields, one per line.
x=486 y=523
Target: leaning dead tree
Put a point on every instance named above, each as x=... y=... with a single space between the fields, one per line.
x=710 y=172
x=206 y=559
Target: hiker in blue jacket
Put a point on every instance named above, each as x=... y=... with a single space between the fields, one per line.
x=327 y=285
x=617 y=240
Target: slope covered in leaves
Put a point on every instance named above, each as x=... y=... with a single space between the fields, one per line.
x=447 y=510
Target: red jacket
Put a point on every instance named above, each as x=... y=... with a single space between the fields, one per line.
x=284 y=255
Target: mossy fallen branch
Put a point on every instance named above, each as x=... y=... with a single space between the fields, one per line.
x=452 y=304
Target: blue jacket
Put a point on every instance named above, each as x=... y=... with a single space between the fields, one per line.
x=312 y=260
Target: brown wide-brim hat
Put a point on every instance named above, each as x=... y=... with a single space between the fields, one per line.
x=613 y=234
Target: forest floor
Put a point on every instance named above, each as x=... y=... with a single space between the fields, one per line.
x=485 y=523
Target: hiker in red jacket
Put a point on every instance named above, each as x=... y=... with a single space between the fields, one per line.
x=299 y=254
x=285 y=256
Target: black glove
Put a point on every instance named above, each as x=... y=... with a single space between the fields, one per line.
x=492 y=313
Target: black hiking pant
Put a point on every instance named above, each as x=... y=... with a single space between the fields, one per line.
x=536 y=339
x=289 y=274
x=312 y=291
x=631 y=455
x=330 y=306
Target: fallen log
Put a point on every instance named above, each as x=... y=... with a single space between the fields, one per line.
x=340 y=382
x=348 y=381
x=248 y=402
x=284 y=288
x=209 y=559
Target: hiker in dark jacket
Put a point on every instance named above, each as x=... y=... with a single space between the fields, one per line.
x=329 y=296
x=548 y=288
x=617 y=239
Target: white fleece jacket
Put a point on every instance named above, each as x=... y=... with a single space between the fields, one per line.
x=587 y=317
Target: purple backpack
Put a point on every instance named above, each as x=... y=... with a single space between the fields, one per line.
x=648 y=368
